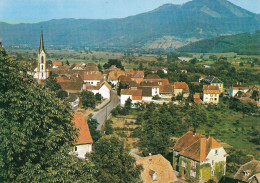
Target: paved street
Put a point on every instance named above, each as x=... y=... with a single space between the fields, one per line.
x=101 y=115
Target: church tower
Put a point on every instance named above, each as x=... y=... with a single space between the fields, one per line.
x=42 y=70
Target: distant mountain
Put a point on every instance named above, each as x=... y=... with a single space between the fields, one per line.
x=193 y=20
x=245 y=44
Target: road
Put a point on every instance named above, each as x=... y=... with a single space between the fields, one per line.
x=101 y=115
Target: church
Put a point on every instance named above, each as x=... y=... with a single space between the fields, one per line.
x=41 y=71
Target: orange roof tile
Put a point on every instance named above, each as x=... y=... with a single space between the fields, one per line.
x=84 y=133
x=89 y=75
x=114 y=75
x=209 y=89
x=137 y=92
x=165 y=81
x=195 y=146
x=152 y=76
x=159 y=165
x=57 y=63
x=137 y=73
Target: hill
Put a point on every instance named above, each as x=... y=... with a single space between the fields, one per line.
x=197 y=19
x=244 y=44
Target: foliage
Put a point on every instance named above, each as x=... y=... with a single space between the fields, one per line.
x=52 y=84
x=88 y=99
x=197 y=115
x=98 y=97
x=115 y=62
x=128 y=104
x=108 y=127
x=219 y=169
x=114 y=162
x=62 y=94
x=95 y=134
x=36 y=132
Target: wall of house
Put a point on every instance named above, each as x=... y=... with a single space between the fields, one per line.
x=105 y=92
x=124 y=98
x=211 y=98
x=177 y=92
x=83 y=149
x=165 y=95
x=147 y=98
x=155 y=91
x=92 y=82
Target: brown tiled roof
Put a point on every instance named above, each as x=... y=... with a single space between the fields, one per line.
x=92 y=75
x=152 y=76
x=124 y=78
x=71 y=86
x=149 y=84
x=146 y=91
x=57 y=63
x=252 y=168
x=165 y=82
x=165 y=89
x=90 y=87
x=137 y=74
x=84 y=133
x=159 y=165
x=130 y=83
x=209 y=89
x=62 y=79
x=114 y=75
x=137 y=92
x=195 y=146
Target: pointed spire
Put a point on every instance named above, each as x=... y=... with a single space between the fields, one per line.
x=41 y=47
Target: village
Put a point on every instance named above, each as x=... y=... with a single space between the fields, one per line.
x=196 y=157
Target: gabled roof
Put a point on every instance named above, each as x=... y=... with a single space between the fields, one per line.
x=166 y=89
x=152 y=76
x=159 y=165
x=114 y=75
x=137 y=92
x=149 y=84
x=251 y=168
x=92 y=75
x=208 y=89
x=195 y=146
x=146 y=91
x=71 y=86
x=240 y=85
x=137 y=74
x=211 y=79
x=84 y=133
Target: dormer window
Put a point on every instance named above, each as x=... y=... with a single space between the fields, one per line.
x=246 y=173
x=154 y=176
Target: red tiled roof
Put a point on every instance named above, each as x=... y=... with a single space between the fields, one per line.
x=152 y=76
x=209 y=89
x=159 y=165
x=137 y=92
x=57 y=63
x=195 y=146
x=84 y=133
x=149 y=84
x=88 y=75
x=165 y=89
x=180 y=85
x=165 y=82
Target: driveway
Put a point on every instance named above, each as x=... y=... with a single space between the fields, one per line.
x=104 y=113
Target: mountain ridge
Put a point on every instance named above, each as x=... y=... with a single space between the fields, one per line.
x=197 y=19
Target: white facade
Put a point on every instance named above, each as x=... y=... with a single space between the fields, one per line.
x=92 y=82
x=104 y=91
x=147 y=98
x=211 y=98
x=82 y=149
x=177 y=92
x=155 y=91
x=233 y=92
x=124 y=98
x=216 y=155
x=114 y=82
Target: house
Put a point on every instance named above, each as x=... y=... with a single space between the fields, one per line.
x=199 y=157
x=134 y=95
x=152 y=77
x=237 y=87
x=137 y=76
x=103 y=89
x=196 y=98
x=181 y=88
x=114 y=75
x=71 y=86
x=249 y=172
x=154 y=85
x=211 y=94
x=56 y=64
x=166 y=91
x=146 y=94
x=213 y=81
x=84 y=141
x=91 y=67
x=156 y=169
x=79 y=67
x=93 y=78
x=73 y=99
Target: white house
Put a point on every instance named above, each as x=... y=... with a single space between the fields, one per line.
x=192 y=150
x=211 y=94
x=84 y=141
x=104 y=89
x=93 y=78
x=134 y=95
x=236 y=87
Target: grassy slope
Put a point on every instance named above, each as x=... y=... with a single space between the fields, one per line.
x=241 y=43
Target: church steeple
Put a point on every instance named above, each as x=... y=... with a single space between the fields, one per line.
x=41 y=47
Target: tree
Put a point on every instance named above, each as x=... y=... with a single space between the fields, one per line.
x=115 y=62
x=108 y=127
x=100 y=68
x=141 y=67
x=114 y=162
x=67 y=62
x=88 y=99
x=52 y=84
x=197 y=115
x=36 y=132
x=62 y=94
x=98 y=97
x=95 y=134
x=128 y=104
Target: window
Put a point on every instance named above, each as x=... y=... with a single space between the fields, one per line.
x=42 y=67
x=212 y=172
x=212 y=162
x=193 y=163
x=154 y=176
x=192 y=173
x=42 y=60
x=216 y=152
x=76 y=148
x=183 y=164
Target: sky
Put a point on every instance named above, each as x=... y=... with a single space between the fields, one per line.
x=29 y=11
